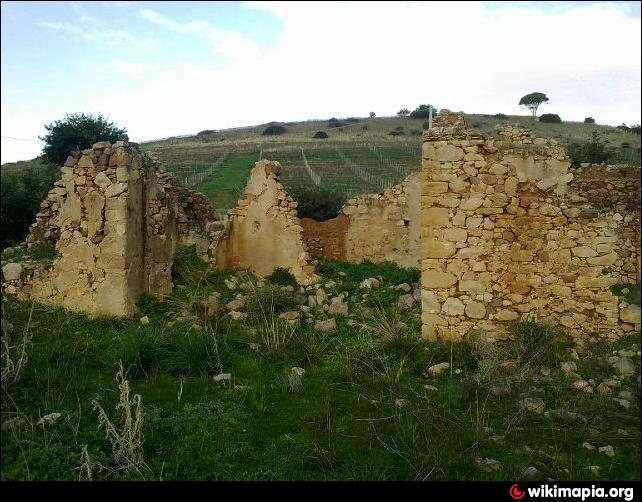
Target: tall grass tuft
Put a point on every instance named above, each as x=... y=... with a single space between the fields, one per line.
x=14 y=357
x=263 y=307
x=126 y=442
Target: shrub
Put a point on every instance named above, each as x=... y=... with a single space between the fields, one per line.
x=624 y=127
x=550 y=118
x=425 y=125
x=594 y=151
x=589 y=120
x=334 y=123
x=501 y=116
x=320 y=135
x=318 y=203
x=206 y=132
x=274 y=130
x=76 y=132
x=396 y=133
x=282 y=277
x=635 y=129
x=353 y=120
x=422 y=112
x=21 y=195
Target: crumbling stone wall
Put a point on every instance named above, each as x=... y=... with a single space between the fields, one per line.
x=263 y=231
x=501 y=239
x=376 y=227
x=326 y=238
x=608 y=186
x=114 y=218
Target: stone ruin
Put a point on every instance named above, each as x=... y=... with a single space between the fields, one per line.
x=115 y=218
x=394 y=213
x=263 y=231
x=503 y=239
x=500 y=229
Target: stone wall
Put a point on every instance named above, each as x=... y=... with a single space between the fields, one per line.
x=263 y=231
x=376 y=227
x=608 y=186
x=502 y=240
x=114 y=218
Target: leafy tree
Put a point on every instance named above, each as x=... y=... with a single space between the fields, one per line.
x=533 y=100
x=589 y=120
x=76 y=132
x=372 y=115
x=404 y=112
x=423 y=112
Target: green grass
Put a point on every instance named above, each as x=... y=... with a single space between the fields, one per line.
x=226 y=186
x=342 y=425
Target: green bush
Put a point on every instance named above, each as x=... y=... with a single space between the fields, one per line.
x=282 y=277
x=274 y=130
x=334 y=123
x=422 y=112
x=320 y=135
x=589 y=120
x=320 y=204
x=76 y=132
x=501 y=116
x=550 y=118
x=594 y=151
x=21 y=195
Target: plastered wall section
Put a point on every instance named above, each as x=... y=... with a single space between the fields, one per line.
x=263 y=231
x=501 y=240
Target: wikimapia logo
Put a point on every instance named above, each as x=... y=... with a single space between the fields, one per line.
x=583 y=493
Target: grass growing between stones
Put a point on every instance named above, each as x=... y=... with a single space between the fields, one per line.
x=365 y=408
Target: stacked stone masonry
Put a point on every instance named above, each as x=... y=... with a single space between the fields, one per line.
x=502 y=239
x=375 y=227
x=114 y=218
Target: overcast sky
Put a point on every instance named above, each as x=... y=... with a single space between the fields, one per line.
x=168 y=68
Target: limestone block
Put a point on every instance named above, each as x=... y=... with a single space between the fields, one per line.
x=438 y=280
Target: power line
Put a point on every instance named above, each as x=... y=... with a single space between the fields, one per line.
x=21 y=139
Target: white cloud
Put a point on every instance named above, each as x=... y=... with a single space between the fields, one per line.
x=227 y=43
x=91 y=31
x=347 y=59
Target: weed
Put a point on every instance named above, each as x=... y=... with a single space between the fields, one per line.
x=126 y=443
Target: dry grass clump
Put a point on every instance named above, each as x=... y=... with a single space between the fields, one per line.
x=126 y=442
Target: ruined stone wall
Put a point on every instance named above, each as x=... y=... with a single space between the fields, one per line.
x=263 y=231
x=326 y=238
x=114 y=218
x=501 y=239
x=375 y=227
x=608 y=186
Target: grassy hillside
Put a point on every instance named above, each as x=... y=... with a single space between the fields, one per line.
x=381 y=159
x=366 y=408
